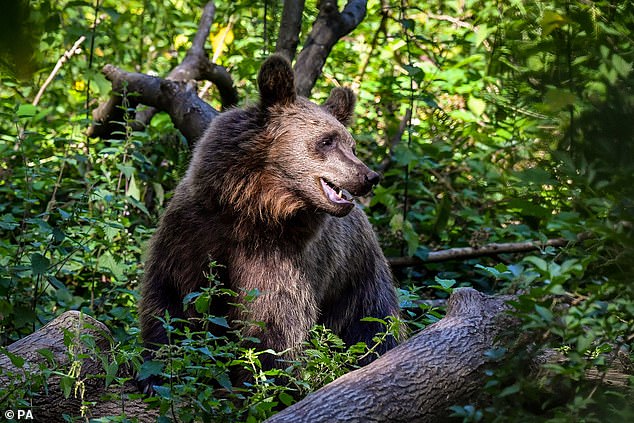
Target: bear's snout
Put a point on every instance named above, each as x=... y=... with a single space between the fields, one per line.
x=372 y=178
x=366 y=179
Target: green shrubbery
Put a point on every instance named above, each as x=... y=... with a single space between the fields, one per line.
x=493 y=123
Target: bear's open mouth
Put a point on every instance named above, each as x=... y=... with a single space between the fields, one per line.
x=334 y=193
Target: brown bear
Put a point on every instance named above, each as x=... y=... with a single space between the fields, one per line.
x=269 y=196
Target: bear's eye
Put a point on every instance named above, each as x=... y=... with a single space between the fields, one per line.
x=326 y=142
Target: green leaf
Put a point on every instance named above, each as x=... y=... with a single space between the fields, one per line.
x=403 y=155
x=509 y=390
x=47 y=354
x=111 y=372
x=67 y=383
x=202 y=304
x=116 y=268
x=133 y=191
x=476 y=105
x=224 y=380
x=482 y=32
x=188 y=299
x=286 y=399
x=128 y=171
x=164 y=392
x=584 y=342
x=446 y=284
x=545 y=313
x=139 y=205
x=8 y=222
x=220 y=321
x=26 y=110
x=57 y=284
x=552 y=21
x=39 y=264
x=557 y=99
x=622 y=66
x=150 y=368
x=539 y=263
x=16 y=360
x=160 y=192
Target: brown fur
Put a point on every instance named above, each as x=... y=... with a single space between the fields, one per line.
x=252 y=200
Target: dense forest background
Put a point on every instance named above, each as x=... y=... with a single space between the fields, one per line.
x=491 y=122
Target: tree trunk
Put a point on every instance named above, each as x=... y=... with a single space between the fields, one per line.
x=416 y=382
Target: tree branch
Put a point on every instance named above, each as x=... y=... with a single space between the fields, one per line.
x=66 y=56
x=328 y=28
x=190 y=113
x=290 y=26
x=195 y=66
x=465 y=253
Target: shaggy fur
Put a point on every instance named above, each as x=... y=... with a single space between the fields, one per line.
x=255 y=199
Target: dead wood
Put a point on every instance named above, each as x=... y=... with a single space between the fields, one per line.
x=51 y=404
x=465 y=253
x=191 y=114
x=179 y=99
x=417 y=381
x=196 y=66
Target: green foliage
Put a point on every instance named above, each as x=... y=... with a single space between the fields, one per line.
x=201 y=367
x=492 y=122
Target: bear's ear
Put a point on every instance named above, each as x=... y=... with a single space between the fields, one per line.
x=340 y=104
x=276 y=82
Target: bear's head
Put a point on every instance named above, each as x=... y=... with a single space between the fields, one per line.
x=310 y=152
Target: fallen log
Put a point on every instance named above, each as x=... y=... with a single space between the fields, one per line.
x=51 y=404
x=417 y=381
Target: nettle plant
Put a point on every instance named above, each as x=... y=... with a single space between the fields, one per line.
x=199 y=366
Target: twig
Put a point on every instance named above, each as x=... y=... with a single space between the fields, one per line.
x=464 y=253
x=385 y=14
x=460 y=24
x=67 y=55
x=207 y=85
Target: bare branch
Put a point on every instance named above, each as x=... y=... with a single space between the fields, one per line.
x=190 y=114
x=329 y=27
x=465 y=253
x=385 y=14
x=290 y=26
x=67 y=55
x=195 y=66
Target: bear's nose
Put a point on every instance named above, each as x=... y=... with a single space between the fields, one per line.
x=372 y=178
